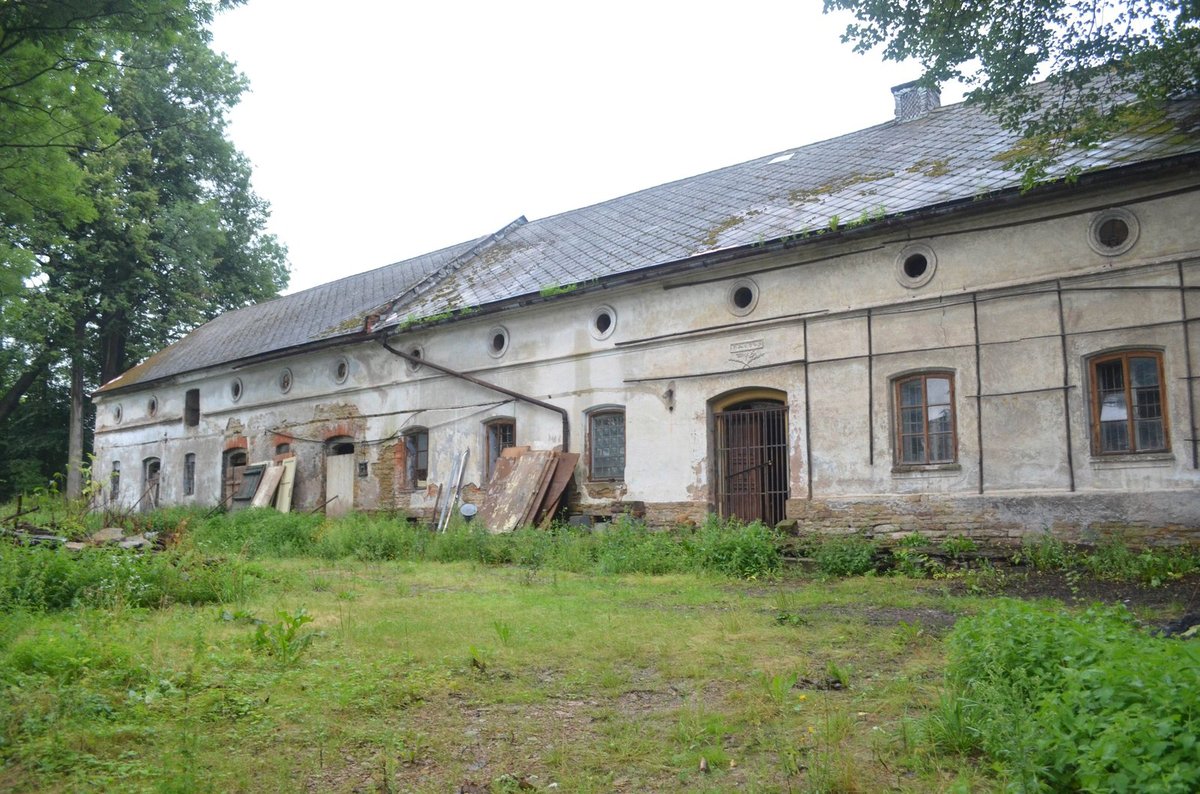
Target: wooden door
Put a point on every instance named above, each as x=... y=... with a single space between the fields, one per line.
x=339 y=484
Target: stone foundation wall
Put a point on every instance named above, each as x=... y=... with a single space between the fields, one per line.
x=673 y=514
x=1149 y=518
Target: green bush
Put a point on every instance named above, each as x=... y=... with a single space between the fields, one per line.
x=747 y=551
x=1115 y=561
x=1070 y=703
x=628 y=546
x=465 y=543
x=259 y=532
x=37 y=579
x=1046 y=553
x=367 y=537
x=67 y=656
x=845 y=556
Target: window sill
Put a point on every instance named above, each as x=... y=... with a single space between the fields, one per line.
x=1138 y=460
x=907 y=470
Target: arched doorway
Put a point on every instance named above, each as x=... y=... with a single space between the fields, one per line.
x=151 y=469
x=750 y=455
x=233 y=474
x=339 y=475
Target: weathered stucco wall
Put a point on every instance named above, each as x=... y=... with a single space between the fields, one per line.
x=1017 y=304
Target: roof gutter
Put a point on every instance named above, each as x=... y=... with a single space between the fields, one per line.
x=516 y=395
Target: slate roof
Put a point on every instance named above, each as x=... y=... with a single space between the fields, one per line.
x=324 y=312
x=953 y=154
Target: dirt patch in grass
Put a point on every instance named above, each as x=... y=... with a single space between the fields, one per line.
x=936 y=621
x=1172 y=599
x=1164 y=603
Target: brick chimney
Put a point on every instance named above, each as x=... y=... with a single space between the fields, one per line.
x=914 y=101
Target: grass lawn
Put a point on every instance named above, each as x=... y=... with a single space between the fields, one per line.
x=439 y=676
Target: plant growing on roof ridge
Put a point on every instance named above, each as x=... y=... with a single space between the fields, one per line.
x=550 y=290
x=1107 y=67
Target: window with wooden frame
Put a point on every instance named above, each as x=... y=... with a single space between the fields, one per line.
x=606 y=444
x=925 y=428
x=416 y=458
x=500 y=434
x=1129 y=413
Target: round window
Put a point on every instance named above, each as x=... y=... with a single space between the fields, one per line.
x=604 y=322
x=341 y=370
x=152 y=406
x=415 y=352
x=117 y=414
x=1113 y=232
x=497 y=341
x=915 y=265
x=235 y=389
x=743 y=297
x=285 y=381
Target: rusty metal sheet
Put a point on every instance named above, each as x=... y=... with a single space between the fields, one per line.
x=512 y=490
x=564 y=470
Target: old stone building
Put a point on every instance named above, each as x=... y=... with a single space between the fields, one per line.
x=881 y=331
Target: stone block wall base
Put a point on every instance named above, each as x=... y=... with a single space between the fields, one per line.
x=1149 y=518
x=673 y=514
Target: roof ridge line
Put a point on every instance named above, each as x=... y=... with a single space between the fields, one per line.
x=456 y=262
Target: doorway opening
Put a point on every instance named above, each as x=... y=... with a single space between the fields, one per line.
x=750 y=455
x=233 y=475
x=151 y=469
x=339 y=475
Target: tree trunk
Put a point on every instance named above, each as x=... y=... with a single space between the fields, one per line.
x=75 y=437
x=112 y=341
x=12 y=398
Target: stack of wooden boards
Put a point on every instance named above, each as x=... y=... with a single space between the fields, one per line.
x=526 y=488
x=275 y=482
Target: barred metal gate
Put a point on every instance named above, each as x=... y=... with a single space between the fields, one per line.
x=751 y=461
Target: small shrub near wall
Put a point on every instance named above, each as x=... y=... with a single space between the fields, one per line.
x=746 y=551
x=848 y=555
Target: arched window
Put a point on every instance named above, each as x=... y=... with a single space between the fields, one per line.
x=606 y=444
x=416 y=457
x=925 y=425
x=499 y=435
x=1129 y=404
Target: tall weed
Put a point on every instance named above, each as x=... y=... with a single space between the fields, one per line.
x=845 y=556
x=746 y=551
x=40 y=579
x=367 y=537
x=1077 y=703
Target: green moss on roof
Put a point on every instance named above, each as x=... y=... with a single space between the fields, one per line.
x=930 y=168
x=803 y=195
x=710 y=239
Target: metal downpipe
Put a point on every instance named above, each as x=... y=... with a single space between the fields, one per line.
x=424 y=362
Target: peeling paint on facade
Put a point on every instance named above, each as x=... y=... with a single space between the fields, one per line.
x=969 y=403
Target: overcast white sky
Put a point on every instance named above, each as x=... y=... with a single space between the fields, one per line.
x=382 y=130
